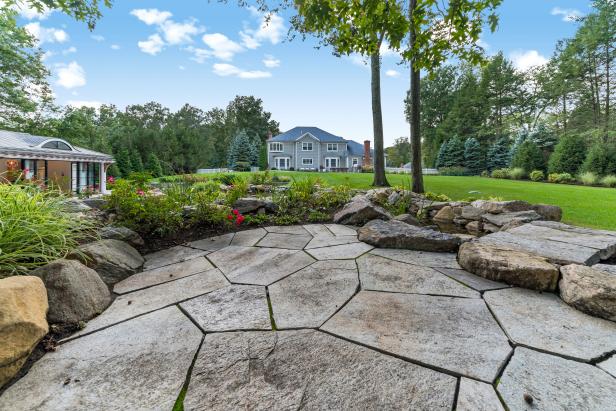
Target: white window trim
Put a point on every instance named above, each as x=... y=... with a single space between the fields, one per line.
x=335 y=145
x=330 y=162
x=307 y=164
x=276 y=144
x=287 y=162
x=355 y=161
x=306 y=143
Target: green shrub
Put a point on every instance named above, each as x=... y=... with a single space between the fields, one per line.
x=227 y=179
x=474 y=159
x=36 y=228
x=260 y=178
x=453 y=171
x=609 y=180
x=560 y=178
x=242 y=166
x=517 y=173
x=485 y=173
x=537 y=175
x=500 y=173
x=528 y=156
x=238 y=190
x=588 y=178
x=436 y=197
x=568 y=155
x=281 y=179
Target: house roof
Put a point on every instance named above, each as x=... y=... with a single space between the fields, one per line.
x=297 y=132
x=23 y=145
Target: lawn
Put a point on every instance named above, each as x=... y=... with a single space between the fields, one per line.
x=584 y=206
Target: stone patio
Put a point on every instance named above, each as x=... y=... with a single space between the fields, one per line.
x=309 y=317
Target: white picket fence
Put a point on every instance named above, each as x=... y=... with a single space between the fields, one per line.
x=221 y=170
x=402 y=170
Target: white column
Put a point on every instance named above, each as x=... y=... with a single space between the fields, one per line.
x=103 y=178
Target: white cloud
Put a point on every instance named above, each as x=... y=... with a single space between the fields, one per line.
x=481 y=43
x=85 y=103
x=387 y=51
x=199 y=54
x=46 y=55
x=71 y=75
x=270 y=61
x=182 y=67
x=151 y=16
x=524 y=60
x=568 y=15
x=153 y=45
x=179 y=33
x=225 y=70
x=392 y=73
x=115 y=47
x=30 y=13
x=45 y=34
x=222 y=47
x=69 y=50
x=358 y=59
x=97 y=37
x=271 y=28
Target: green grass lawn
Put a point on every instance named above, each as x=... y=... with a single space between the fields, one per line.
x=584 y=206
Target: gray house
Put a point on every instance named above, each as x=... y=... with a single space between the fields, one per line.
x=310 y=148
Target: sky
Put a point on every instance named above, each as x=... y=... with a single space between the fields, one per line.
x=204 y=53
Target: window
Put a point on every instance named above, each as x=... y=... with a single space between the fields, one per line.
x=306 y=146
x=332 y=147
x=57 y=145
x=276 y=147
x=355 y=161
x=306 y=161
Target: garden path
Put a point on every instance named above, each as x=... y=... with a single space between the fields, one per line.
x=309 y=317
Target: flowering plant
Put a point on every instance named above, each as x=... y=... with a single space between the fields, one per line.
x=235 y=217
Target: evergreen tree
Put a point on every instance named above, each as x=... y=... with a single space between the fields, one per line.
x=499 y=155
x=442 y=154
x=263 y=156
x=520 y=138
x=153 y=165
x=136 y=162
x=529 y=157
x=544 y=138
x=123 y=162
x=243 y=151
x=473 y=157
x=568 y=156
x=455 y=153
x=113 y=171
x=601 y=159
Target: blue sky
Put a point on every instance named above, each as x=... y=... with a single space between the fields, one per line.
x=204 y=53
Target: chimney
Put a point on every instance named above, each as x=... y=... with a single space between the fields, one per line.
x=269 y=135
x=367 y=158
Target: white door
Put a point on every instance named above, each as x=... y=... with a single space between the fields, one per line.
x=332 y=162
x=282 y=163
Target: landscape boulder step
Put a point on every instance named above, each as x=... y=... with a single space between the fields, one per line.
x=75 y=292
x=507 y=265
x=548 y=212
x=23 y=308
x=122 y=234
x=498 y=207
x=359 y=211
x=252 y=205
x=113 y=260
x=445 y=215
x=589 y=290
x=503 y=219
x=397 y=234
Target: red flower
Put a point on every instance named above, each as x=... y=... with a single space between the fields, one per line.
x=240 y=219
x=230 y=217
x=236 y=212
x=140 y=192
x=110 y=179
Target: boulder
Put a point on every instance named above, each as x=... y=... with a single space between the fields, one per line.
x=98 y=203
x=491 y=228
x=122 y=234
x=506 y=218
x=252 y=205
x=408 y=218
x=397 y=234
x=445 y=215
x=548 y=212
x=498 y=207
x=75 y=292
x=472 y=213
x=379 y=195
x=508 y=265
x=510 y=225
x=113 y=260
x=359 y=211
x=393 y=198
x=589 y=290
x=74 y=205
x=23 y=307
x=474 y=227
x=608 y=268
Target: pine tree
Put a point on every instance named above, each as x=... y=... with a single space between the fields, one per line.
x=544 y=138
x=263 y=156
x=136 y=162
x=442 y=154
x=601 y=159
x=455 y=153
x=123 y=162
x=113 y=171
x=520 y=138
x=473 y=157
x=529 y=157
x=243 y=152
x=153 y=165
x=568 y=156
x=499 y=155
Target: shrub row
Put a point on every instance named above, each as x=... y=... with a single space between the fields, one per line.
x=587 y=178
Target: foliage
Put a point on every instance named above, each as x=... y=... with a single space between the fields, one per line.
x=260 y=178
x=568 y=155
x=473 y=157
x=454 y=171
x=238 y=190
x=528 y=156
x=243 y=152
x=537 y=175
x=517 y=173
x=123 y=163
x=499 y=155
x=436 y=197
x=609 y=180
x=500 y=173
x=588 y=178
x=36 y=227
x=153 y=166
x=227 y=179
x=600 y=159
x=400 y=153
x=560 y=178
x=136 y=162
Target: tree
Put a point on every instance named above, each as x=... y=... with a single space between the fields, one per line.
x=136 y=161
x=247 y=113
x=263 y=156
x=443 y=152
x=473 y=157
x=81 y=10
x=122 y=159
x=568 y=156
x=528 y=156
x=242 y=152
x=399 y=153
x=499 y=155
x=600 y=159
x=454 y=156
x=153 y=166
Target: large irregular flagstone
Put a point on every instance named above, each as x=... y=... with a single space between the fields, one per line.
x=552 y=383
x=498 y=207
x=163 y=274
x=138 y=365
x=474 y=281
x=381 y=274
x=113 y=260
x=609 y=365
x=555 y=251
x=359 y=211
x=171 y=255
x=248 y=238
x=237 y=307
x=340 y=252
x=308 y=369
x=282 y=240
x=339 y=229
x=143 y=301
x=213 y=243
x=427 y=258
x=508 y=218
x=317 y=230
x=290 y=229
x=589 y=290
x=312 y=295
x=455 y=334
x=398 y=234
x=608 y=268
x=477 y=396
x=328 y=241
x=543 y=321
x=259 y=266
x=514 y=267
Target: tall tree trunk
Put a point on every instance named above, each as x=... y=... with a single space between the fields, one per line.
x=380 y=180
x=416 y=166
x=607 y=91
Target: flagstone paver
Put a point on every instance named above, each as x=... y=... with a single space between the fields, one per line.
x=455 y=334
x=328 y=241
x=340 y=252
x=426 y=258
x=609 y=365
x=282 y=240
x=143 y=301
x=310 y=296
x=308 y=369
x=543 y=321
x=293 y=229
x=318 y=230
x=213 y=243
x=474 y=281
x=137 y=365
x=162 y=275
x=477 y=396
x=236 y=307
x=380 y=274
x=553 y=383
x=170 y=256
x=339 y=229
x=259 y=266
x=248 y=238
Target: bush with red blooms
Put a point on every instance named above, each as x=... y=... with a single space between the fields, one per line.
x=235 y=217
